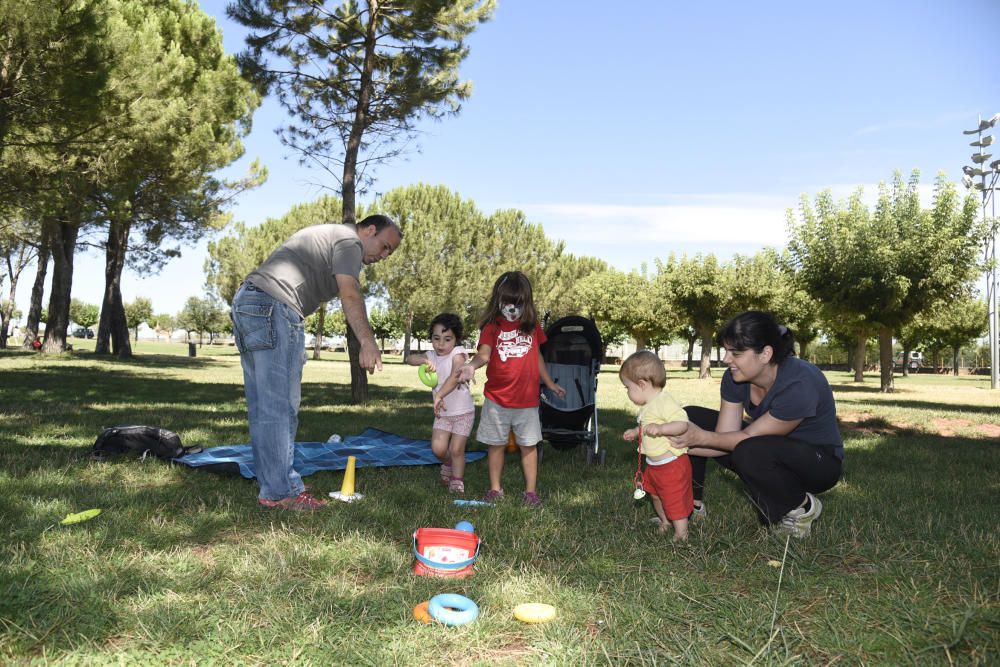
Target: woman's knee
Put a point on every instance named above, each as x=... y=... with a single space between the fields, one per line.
x=704 y=418
x=752 y=454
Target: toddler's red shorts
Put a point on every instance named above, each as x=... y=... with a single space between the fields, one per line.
x=671 y=483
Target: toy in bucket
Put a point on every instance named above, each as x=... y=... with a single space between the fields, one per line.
x=444 y=552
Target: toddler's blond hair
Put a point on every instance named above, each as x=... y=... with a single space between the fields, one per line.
x=644 y=365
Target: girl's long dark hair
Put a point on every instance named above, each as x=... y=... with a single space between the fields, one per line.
x=511 y=287
x=753 y=330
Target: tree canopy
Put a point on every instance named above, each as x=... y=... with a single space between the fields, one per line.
x=355 y=79
x=881 y=268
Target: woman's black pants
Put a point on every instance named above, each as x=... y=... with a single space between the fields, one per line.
x=777 y=470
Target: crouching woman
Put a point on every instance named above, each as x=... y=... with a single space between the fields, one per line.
x=790 y=449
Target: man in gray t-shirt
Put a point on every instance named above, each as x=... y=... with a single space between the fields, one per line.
x=314 y=265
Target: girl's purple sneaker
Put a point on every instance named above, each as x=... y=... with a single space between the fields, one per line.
x=493 y=495
x=531 y=499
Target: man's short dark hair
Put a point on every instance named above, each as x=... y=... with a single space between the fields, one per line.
x=380 y=222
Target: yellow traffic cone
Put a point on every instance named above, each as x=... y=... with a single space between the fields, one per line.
x=347 y=488
x=346 y=492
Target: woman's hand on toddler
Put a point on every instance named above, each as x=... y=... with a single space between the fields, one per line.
x=466 y=373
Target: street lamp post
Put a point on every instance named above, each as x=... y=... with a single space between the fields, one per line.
x=988 y=175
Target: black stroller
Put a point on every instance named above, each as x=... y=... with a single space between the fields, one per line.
x=572 y=354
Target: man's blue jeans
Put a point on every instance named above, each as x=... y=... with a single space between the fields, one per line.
x=271 y=341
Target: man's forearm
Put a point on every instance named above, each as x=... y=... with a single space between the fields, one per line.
x=357 y=317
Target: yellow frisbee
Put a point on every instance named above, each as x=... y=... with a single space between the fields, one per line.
x=534 y=612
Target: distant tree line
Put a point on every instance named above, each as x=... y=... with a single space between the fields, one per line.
x=849 y=273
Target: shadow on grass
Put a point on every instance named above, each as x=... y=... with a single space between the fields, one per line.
x=81 y=403
x=162 y=555
x=942 y=407
x=169 y=361
x=857 y=388
x=179 y=556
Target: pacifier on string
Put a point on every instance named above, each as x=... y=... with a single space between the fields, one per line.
x=639 y=492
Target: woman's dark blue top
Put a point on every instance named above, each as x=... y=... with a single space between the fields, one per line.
x=800 y=391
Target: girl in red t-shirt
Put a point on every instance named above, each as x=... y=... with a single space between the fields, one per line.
x=510 y=347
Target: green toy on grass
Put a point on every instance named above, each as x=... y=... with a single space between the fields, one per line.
x=86 y=515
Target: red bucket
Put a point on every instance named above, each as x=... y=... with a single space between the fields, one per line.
x=444 y=552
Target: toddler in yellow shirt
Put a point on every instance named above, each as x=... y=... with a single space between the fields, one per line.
x=667 y=477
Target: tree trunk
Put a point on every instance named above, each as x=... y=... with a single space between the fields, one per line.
x=114 y=325
x=7 y=313
x=706 y=353
x=859 y=357
x=359 y=379
x=906 y=360
x=885 y=359
x=65 y=232
x=37 y=289
x=407 y=335
x=5 y=316
x=690 y=356
x=640 y=343
x=936 y=360
x=321 y=329
x=954 y=363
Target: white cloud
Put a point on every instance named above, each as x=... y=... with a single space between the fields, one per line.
x=921 y=123
x=660 y=225
x=719 y=222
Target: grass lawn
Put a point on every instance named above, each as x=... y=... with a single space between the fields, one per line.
x=183 y=567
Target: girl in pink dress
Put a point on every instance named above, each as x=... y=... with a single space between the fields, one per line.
x=454 y=411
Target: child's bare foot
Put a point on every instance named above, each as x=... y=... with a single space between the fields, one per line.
x=680 y=537
x=664 y=526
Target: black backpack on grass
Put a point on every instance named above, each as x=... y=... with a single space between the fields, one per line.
x=140 y=440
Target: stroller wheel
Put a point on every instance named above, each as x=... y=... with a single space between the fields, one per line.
x=595 y=458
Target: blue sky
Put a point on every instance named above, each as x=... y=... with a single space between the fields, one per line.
x=631 y=130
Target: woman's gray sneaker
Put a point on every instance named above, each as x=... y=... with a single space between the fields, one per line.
x=798 y=522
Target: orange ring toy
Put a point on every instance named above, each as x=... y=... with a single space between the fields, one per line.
x=421 y=614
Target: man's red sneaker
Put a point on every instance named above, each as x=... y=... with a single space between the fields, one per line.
x=303 y=501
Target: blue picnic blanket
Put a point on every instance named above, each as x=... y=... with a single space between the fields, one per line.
x=371 y=448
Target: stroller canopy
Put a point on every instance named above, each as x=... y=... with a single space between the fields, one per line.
x=573 y=340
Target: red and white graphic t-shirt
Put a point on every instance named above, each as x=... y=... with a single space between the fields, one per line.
x=512 y=373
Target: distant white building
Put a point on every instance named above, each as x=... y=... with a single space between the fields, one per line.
x=673 y=354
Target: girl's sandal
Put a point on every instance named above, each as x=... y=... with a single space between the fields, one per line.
x=456 y=485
